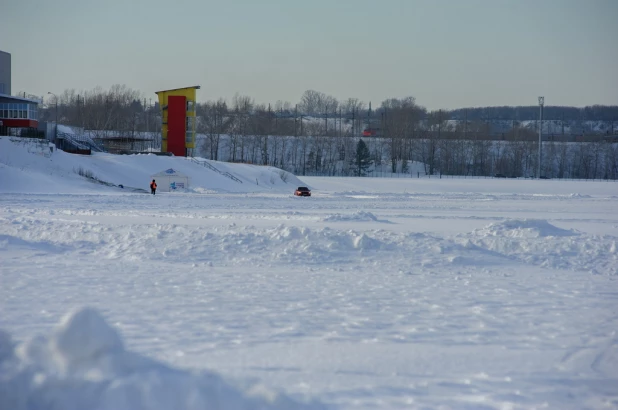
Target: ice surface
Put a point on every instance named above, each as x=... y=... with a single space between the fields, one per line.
x=373 y=293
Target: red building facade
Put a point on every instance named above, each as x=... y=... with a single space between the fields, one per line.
x=178 y=120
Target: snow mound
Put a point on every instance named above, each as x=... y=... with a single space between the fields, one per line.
x=83 y=365
x=537 y=242
x=83 y=335
x=360 y=216
x=322 y=245
x=526 y=228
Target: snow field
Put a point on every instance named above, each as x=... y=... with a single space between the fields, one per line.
x=370 y=294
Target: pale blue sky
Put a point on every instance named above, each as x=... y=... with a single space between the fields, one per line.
x=446 y=53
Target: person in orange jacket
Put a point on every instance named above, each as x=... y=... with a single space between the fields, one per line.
x=153 y=187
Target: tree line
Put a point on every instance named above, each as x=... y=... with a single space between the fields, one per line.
x=320 y=134
x=522 y=113
x=123 y=109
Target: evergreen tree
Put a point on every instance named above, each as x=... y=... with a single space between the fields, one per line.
x=362 y=160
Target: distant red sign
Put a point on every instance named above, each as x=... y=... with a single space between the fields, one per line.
x=370 y=132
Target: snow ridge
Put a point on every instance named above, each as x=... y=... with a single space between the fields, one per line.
x=533 y=242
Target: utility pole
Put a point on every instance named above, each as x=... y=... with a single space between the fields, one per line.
x=219 y=110
x=541 y=103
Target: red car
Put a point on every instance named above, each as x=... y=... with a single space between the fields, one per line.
x=302 y=191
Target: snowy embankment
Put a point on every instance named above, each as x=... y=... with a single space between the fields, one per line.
x=29 y=166
x=372 y=293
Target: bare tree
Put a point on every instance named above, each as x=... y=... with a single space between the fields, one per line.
x=400 y=119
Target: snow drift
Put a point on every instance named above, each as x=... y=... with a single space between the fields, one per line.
x=526 y=228
x=83 y=365
x=537 y=242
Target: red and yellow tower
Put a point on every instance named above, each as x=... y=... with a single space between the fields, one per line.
x=178 y=120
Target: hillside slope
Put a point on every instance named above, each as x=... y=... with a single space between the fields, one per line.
x=29 y=166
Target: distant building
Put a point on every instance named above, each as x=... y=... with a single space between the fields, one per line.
x=17 y=115
x=5 y=73
x=178 y=120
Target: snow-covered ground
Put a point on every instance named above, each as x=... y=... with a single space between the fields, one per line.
x=372 y=293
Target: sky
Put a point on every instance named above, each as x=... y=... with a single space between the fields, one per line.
x=446 y=53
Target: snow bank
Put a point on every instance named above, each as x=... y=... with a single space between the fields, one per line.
x=84 y=365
